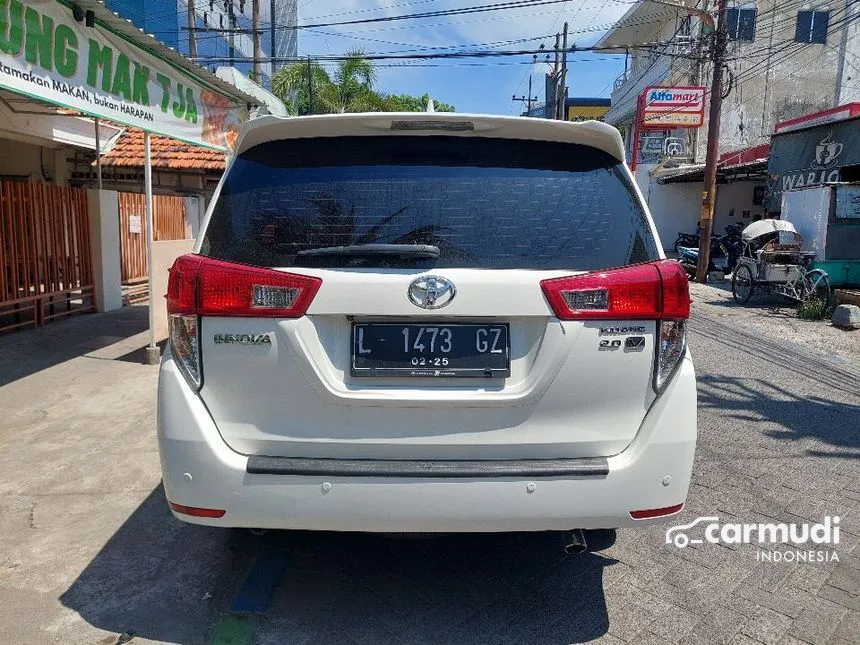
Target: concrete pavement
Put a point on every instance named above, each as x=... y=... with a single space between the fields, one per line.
x=89 y=553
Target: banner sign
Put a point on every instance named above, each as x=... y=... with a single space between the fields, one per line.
x=811 y=157
x=48 y=55
x=673 y=107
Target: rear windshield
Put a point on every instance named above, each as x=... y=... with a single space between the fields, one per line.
x=485 y=203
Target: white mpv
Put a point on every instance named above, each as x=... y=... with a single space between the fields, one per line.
x=427 y=323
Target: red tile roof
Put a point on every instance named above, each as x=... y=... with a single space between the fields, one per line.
x=167 y=153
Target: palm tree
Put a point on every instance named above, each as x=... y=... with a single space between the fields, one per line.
x=353 y=80
x=293 y=85
x=351 y=89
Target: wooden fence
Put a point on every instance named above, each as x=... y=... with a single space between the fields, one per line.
x=169 y=215
x=45 y=262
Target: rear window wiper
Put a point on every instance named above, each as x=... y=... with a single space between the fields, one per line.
x=427 y=251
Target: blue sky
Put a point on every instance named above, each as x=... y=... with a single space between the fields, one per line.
x=486 y=88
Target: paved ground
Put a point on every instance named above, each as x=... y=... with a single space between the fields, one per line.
x=771 y=315
x=89 y=554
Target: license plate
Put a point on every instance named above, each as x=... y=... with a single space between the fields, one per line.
x=431 y=350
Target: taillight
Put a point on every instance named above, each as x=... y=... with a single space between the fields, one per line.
x=201 y=286
x=227 y=289
x=654 y=291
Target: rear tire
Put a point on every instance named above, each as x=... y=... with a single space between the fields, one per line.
x=743 y=284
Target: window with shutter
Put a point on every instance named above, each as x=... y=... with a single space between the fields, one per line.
x=812 y=26
x=741 y=23
x=820 y=22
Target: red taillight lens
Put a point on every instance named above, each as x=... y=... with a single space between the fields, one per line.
x=208 y=287
x=676 y=290
x=226 y=289
x=640 y=292
x=182 y=285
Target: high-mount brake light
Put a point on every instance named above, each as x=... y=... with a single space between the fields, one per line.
x=202 y=286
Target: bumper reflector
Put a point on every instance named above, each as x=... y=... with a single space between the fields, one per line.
x=196 y=512
x=656 y=512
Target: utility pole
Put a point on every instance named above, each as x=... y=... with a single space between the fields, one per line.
x=709 y=187
x=310 y=86
x=272 y=47
x=258 y=52
x=562 y=90
x=192 y=31
x=231 y=36
x=551 y=107
x=528 y=100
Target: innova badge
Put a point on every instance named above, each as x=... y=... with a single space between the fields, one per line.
x=431 y=292
x=242 y=339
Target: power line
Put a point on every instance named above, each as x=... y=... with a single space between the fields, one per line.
x=653 y=19
x=475 y=9
x=489 y=53
x=749 y=73
x=422 y=48
x=409 y=65
x=416 y=2
x=769 y=50
x=833 y=28
x=534 y=62
x=656 y=58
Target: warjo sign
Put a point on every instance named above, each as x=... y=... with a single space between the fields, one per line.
x=47 y=54
x=811 y=157
x=673 y=107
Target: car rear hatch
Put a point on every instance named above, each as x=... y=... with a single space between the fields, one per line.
x=441 y=297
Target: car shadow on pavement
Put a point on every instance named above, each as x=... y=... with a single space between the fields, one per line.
x=156 y=577
x=786 y=415
x=29 y=351
x=161 y=579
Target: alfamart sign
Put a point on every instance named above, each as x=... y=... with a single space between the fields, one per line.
x=673 y=107
x=46 y=54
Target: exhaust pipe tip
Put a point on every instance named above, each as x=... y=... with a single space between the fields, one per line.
x=574 y=542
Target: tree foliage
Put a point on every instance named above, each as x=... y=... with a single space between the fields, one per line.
x=409 y=103
x=306 y=87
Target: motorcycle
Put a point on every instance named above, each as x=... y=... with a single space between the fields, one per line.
x=724 y=255
x=725 y=251
x=686 y=240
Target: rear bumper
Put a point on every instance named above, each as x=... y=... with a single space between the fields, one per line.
x=201 y=471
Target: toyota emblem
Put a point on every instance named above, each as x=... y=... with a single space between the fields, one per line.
x=431 y=292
